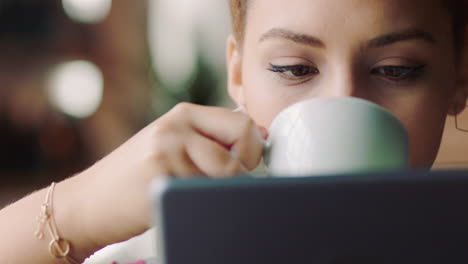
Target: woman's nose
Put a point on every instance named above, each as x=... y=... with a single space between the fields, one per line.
x=343 y=82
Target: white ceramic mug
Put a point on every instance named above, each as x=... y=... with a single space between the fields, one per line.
x=335 y=135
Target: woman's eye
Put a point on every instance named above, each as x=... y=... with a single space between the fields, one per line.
x=398 y=73
x=293 y=71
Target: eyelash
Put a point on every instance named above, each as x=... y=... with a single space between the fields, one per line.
x=297 y=71
x=390 y=72
x=398 y=73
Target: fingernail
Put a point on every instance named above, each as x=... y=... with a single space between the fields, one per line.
x=238 y=109
x=263 y=132
x=235 y=156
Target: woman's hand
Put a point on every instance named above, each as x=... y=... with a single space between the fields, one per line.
x=189 y=140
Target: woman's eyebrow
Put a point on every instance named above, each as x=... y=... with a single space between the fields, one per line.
x=293 y=36
x=403 y=35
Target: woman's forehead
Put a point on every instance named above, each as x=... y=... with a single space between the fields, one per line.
x=351 y=4
x=349 y=17
x=343 y=10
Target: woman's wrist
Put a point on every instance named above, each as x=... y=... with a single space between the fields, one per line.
x=70 y=218
x=108 y=214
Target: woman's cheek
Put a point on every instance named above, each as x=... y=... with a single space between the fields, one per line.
x=261 y=105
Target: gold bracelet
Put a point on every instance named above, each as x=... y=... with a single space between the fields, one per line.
x=59 y=248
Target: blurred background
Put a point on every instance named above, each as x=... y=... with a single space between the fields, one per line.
x=79 y=77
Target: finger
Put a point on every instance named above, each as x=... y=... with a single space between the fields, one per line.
x=170 y=154
x=237 y=131
x=182 y=165
x=248 y=148
x=212 y=158
x=219 y=124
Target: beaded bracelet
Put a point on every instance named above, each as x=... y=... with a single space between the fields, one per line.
x=59 y=248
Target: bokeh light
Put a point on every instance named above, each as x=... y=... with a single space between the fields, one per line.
x=182 y=31
x=87 y=11
x=76 y=88
x=171 y=40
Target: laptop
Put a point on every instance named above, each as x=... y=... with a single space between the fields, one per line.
x=395 y=217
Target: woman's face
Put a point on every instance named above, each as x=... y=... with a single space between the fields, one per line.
x=396 y=53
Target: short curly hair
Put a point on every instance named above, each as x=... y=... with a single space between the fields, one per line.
x=457 y=8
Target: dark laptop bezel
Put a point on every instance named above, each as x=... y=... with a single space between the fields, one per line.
x=393 y=217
